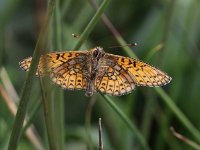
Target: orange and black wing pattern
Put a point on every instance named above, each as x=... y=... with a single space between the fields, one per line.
x=66 y=69
x=119 y=75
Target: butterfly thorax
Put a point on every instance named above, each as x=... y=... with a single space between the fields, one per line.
x=94 y=57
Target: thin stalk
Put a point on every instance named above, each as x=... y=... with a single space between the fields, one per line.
x=59 y=117
x=128 y=122
x=59 y=95
x=6 y=81
x=100 y=136
x=18 y=123
x=1 y=46
x=153 y=51
x=185 y=139
x=91 y=24
x=32 y=115
x=88 y=121
x=58 y=26
x=46 y=99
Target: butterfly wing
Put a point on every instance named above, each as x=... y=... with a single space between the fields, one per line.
x=112 y=78
x=118 y=75
x=67 y=69
x=143 y=73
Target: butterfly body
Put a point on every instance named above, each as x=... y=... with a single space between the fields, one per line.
x=94 y=57
x=96 y=70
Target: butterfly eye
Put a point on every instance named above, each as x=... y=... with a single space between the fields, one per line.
x=95 y=54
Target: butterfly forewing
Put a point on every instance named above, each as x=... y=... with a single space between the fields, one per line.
x=64 y=68
x=141 y=73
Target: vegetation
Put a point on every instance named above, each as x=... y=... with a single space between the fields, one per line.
x=167 y=36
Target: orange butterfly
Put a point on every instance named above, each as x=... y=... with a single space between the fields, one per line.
x=96 y=70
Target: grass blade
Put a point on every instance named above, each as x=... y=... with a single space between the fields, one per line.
x=48 y=114
x=59 y=93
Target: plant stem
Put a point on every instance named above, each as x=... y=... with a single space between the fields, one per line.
x=59 y=94
x=47 y=103
x=88 y=115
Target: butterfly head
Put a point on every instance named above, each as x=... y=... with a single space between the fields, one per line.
x=97 y=53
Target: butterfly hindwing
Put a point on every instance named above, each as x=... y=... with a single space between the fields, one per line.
x=113 y=79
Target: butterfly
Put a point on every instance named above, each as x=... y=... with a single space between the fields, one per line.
x=95 y=70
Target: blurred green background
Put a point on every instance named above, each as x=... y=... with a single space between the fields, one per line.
x=168 y=35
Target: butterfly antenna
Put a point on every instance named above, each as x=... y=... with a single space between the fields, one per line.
x=129 y=45
x=75 y=35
